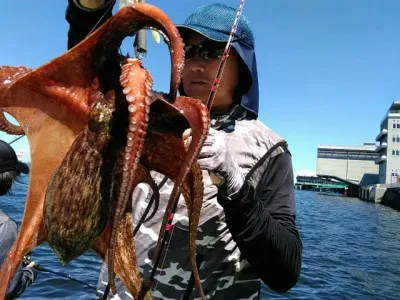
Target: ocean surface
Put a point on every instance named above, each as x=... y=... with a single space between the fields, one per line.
x=351 y=251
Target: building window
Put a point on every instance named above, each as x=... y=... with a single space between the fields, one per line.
x=393 y=139
x=394 y=125
x=398 y=125
x=393 y=152
x=397 y=152
x=398 y=139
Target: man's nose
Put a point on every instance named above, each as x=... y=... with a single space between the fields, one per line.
x=196 y=63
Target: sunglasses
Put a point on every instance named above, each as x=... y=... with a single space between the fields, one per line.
x=208 y=51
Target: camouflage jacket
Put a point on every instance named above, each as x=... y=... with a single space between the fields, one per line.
x=240 y=241
x=259 y=221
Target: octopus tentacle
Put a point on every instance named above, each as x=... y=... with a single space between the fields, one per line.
x=8 y=127
x=69 y=77
x=44 y=102
x=145 y=15
x=199 y=125
x=69 y=96
x=197 y=116
x=124 y=256
x=8 y=75
x=137 y=84
x=194 y=216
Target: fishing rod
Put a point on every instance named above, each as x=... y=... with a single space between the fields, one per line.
x=146 y=285
x=43 y=269
x=27 y=260
x=215 y=178
x=224 y=57
x=140 y=50
x=20 y=137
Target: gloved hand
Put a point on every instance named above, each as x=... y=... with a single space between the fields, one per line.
x=215 y=157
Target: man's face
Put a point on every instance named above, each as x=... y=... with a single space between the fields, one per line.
x=199 y=72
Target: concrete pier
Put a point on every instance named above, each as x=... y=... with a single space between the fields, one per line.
x=391 y=198
x=372 y=193
x=386 y=194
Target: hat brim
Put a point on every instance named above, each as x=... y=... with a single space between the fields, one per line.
x=208 y=33
x=22 y=168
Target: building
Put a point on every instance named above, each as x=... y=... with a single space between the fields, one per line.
x=353 y=164
x=389 y=146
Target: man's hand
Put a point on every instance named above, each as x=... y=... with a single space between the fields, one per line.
x=215 y=157
x=91 y=3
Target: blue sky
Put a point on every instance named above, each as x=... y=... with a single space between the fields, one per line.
x=328 y=70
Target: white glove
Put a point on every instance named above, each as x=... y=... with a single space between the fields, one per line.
x=215 y=157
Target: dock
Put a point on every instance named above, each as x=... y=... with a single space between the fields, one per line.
x=325 y=183
x=386 y=194
x=314 y=183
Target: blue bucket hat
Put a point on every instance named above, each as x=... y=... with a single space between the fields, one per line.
x=215 y=22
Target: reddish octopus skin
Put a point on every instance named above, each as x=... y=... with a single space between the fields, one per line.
x=8 y=127
x=52 y=123
x=60 y=94
x=8 y=75
x=137 y=88
x=73 y=225
x=197 y=116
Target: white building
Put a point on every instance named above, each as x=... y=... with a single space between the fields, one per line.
x=354 y=164
x=389 y=145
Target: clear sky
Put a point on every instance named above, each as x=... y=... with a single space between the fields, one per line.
x=328 y=70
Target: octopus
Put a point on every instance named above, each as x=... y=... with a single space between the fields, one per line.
x=95 y=130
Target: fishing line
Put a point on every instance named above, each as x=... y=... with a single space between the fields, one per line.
x=43 y=269
x=101 y=18
x=20 y=137
x=147 y=285
x=144 y=218
x=26 y=260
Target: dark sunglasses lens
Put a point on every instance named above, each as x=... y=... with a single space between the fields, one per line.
x=205 y=51
x=190 y=51
x=211 y=52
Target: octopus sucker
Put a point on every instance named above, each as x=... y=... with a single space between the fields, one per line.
x=96 y=130
x=133 y=82
x=8 y=127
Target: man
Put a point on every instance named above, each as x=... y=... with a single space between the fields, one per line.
x=247 y=228
x=10 y=169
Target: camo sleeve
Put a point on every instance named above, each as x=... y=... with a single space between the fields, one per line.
x=82 y=20
x=262 y=223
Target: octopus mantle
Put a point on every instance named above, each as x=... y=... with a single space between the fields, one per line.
x=96 y=130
